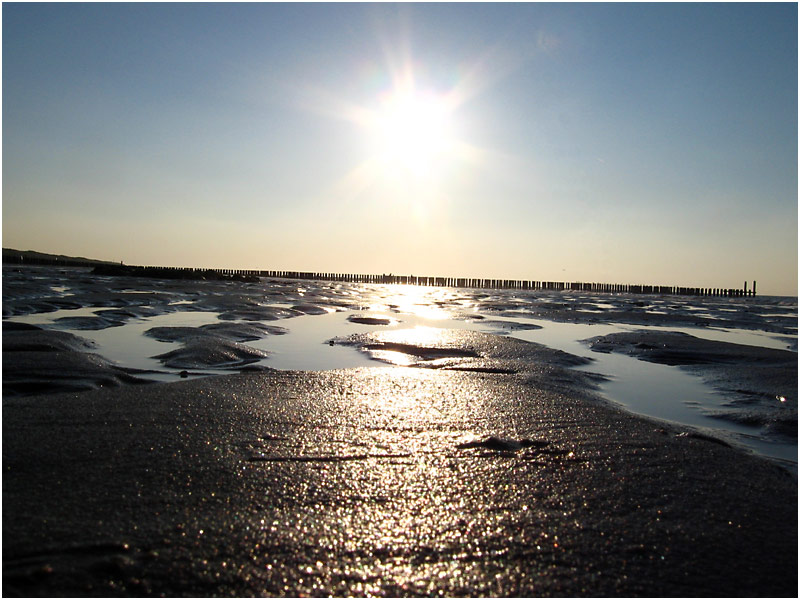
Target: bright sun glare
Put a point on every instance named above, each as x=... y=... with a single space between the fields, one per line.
x=413 y=144
x=411 y=133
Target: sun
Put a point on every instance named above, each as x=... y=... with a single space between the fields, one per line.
x=411 y=133
x=410 y=136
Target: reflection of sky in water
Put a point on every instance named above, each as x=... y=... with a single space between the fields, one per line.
x=657 y=390
x=418 y=313
x=127 y=345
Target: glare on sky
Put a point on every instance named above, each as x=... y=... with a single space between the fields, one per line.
x=412 y=132
x=626 y=143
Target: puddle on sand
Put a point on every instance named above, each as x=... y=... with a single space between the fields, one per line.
x=663 y=391
x=649 y=389
x=305 y=347
x=126 y=345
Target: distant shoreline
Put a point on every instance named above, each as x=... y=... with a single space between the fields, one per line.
x=32 y=257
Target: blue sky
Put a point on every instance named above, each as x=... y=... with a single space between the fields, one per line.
x=624 y=143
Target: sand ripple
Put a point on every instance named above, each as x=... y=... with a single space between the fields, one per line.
x=200 y=353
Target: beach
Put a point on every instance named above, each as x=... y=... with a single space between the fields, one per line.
x=471 y=463
x=380 y=482
x=400 y=300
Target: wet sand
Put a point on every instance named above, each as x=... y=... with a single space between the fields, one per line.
x=42 y=361
x=488 y=466
x=382 y=482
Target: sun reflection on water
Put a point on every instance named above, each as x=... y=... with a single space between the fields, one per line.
x=420 y=301
x=421 y=336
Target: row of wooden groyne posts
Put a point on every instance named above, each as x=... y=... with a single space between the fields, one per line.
x=504 y=284
x=106 y=268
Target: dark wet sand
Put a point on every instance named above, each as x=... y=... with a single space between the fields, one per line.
x=364 y=482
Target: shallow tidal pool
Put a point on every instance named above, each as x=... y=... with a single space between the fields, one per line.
x=307 y=320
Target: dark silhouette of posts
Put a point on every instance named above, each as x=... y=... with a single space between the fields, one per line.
x=15 y=257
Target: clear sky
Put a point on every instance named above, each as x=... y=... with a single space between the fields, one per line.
x=623 y=143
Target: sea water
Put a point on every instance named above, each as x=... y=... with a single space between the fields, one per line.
x=559 y=320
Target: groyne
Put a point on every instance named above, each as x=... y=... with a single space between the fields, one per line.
x=251 y=275
x=458 y=282
x=512 y=284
